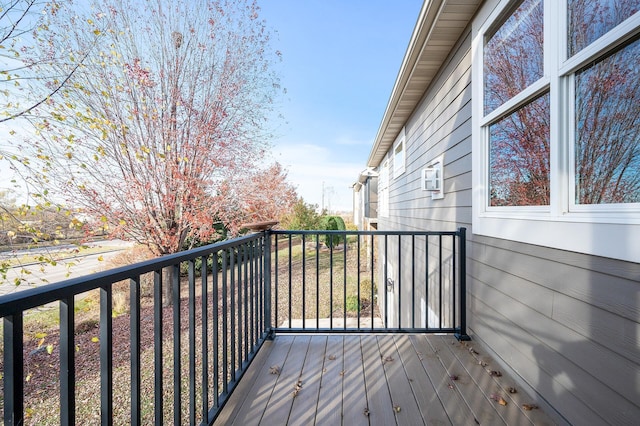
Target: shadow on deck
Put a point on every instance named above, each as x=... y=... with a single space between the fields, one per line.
x=404 y=379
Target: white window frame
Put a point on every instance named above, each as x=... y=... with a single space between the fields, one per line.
x=383 y=190
x=399 y=154
x=609 y=230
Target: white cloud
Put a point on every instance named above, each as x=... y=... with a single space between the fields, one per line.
x=348 y=141
x=320 y=176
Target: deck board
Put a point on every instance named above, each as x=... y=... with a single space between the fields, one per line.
x=249 y=410
x=329 y=411
x=482 y=408
x=281 y=400
x=431 y=409
x=405 y=407
x=378 y=397
x=457 y=411
x=304 y=405
x=354 y=395
x=359 y=379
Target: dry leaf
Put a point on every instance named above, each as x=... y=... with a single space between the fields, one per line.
x=453 y=377
x=274 y=369
x=473 y=351
x=502 y=402
x=396 y=408
x=331 y=357
x=494 y=373
x=342 y=373
x=297 y=388
x=366 y=411
x=512 y=390
x=529 y=407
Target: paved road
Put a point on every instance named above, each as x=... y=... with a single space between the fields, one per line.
x=43 y=274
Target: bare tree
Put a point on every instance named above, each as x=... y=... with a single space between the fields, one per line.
x=171 y=99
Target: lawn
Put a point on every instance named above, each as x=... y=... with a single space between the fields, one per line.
x=315 y=293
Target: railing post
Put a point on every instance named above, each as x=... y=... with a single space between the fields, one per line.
x=13 y=370
x=266 y=281
x=462 y=235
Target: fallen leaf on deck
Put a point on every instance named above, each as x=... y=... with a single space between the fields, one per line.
x=512 y=390
x=529 y=407
x=275 y=369
x=473 y=351
x=396 y=408
x=366 y=411
x=494 y=373
x=331 y=357
x=453 y=377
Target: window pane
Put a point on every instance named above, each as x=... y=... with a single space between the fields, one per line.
x=607 y=141
x=590 y=19
x=519 y=156
x=513 y=56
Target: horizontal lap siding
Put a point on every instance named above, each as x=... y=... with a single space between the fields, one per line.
x=566 y=324
x=567 y=330
x=442 y=123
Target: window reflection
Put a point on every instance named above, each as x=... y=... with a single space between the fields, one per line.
x=519 y=156
x=513 y=55
x=590 y=19
x=607 y=143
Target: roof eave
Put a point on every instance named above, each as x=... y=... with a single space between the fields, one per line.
x=439 y=26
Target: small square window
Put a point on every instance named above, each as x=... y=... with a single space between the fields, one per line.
x=433 y=178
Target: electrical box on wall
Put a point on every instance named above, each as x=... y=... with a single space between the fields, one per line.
x=432 y=178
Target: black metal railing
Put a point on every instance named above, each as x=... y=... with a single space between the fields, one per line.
x=227 y=321
x=226 y=300
x=369 y=281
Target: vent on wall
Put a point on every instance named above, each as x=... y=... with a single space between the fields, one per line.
x=432 y=178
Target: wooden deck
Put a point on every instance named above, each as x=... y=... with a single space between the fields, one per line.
x=377 y=380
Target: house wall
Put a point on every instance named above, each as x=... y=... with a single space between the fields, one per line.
x=566 y=325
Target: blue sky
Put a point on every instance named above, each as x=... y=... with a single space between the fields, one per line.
x=340 y=61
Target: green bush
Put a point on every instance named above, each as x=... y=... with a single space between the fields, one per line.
x=353 y=304
x=332 y=223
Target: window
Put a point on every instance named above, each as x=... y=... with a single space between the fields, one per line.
x=556 y=119
x=383 y=190
x=399 y=155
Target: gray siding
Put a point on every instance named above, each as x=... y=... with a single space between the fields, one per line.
x=566 y=324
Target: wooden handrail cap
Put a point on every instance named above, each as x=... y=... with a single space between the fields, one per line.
x=260 y=226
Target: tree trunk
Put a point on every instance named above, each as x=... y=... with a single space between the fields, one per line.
x=167 y=282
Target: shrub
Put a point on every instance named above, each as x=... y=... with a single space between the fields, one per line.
x=332 y=223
